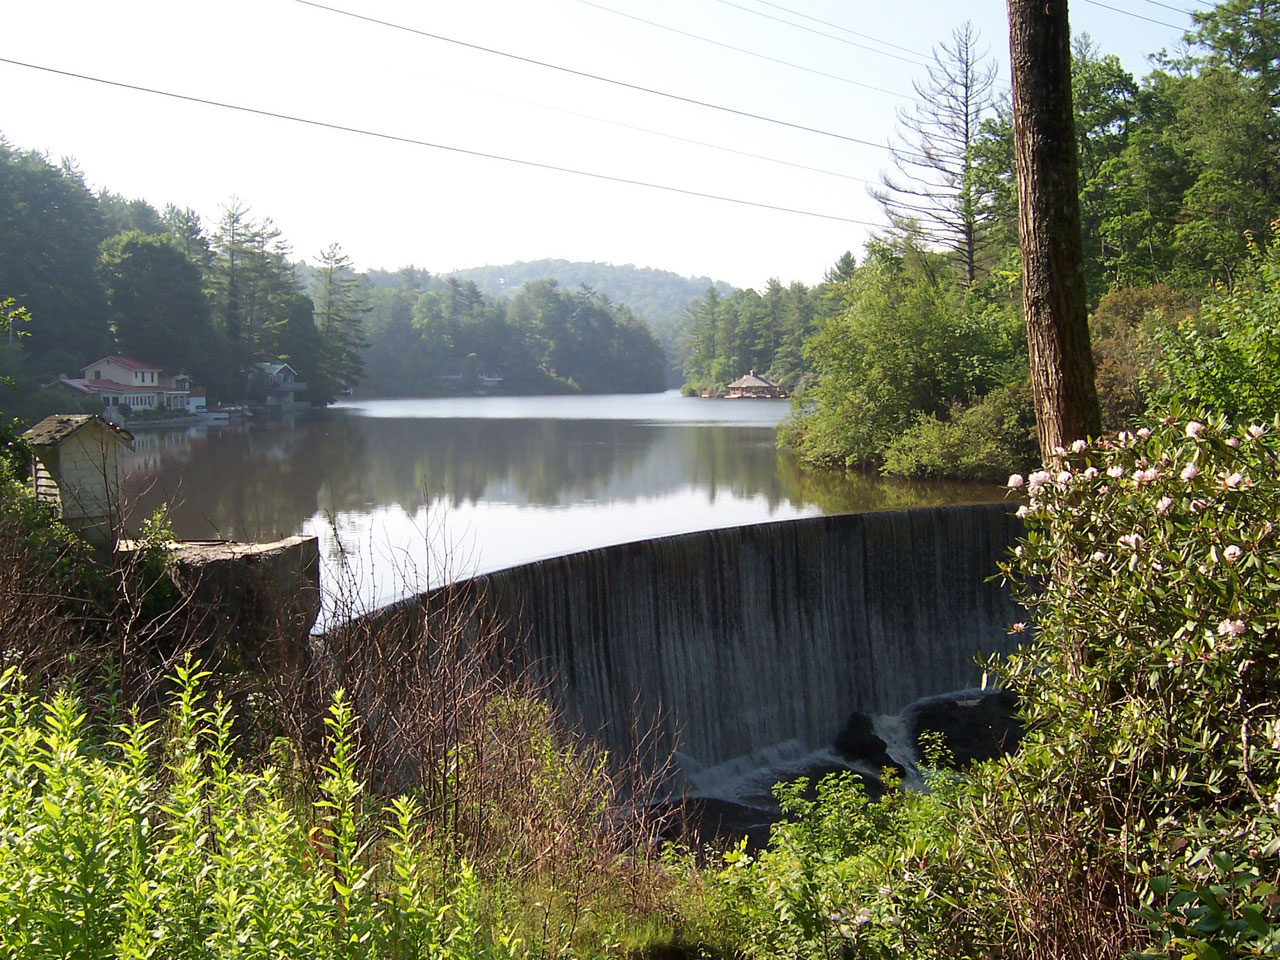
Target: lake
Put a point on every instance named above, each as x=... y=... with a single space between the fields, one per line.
x=414 y=492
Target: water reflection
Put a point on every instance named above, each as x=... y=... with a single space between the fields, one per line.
x=380 y=481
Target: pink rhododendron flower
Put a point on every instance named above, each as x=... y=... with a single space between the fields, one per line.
x=1090 y=473
x=1015 y=481
x=1233 y=481
x=1131 y=540
x=1145 y=476
x=1256 y=430
x=1232 y=553
x=1231 y=628
x=1143 y=432
x=1115 y=471
x=1232 y=442
x=1190 y=472
x=1163 y=506
x=1194 y=429
x=1098 y=556
x=1023 y=512
x=1079 y=446
x=1019 y=627
x=1064 y=477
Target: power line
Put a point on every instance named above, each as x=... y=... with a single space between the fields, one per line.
x=660 y=133
x=1157 y=3
x=395 y=138
x=1136 y=16
x=593 y=76
x=828 y=23
x=750 y=53
x=801 y=26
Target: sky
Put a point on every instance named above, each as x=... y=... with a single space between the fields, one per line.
x=390 y=200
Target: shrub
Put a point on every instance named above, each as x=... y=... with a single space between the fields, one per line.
x=1229 y=360
x=977 y=442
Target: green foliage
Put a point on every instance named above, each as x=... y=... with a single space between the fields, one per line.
x=142 y=844
x=977 y=442
x=910 y=342
x=1229 y=361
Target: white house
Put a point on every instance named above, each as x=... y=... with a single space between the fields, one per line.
x=123 y=381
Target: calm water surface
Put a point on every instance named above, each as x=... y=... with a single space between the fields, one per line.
x=406 y=493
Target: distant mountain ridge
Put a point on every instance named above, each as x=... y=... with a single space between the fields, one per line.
x=658 y=296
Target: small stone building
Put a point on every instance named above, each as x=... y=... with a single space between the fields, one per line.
x=76 y=470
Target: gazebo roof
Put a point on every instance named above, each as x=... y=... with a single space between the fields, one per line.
x=61 y=427
x=753 y=379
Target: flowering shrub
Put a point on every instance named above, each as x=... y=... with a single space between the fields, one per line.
x=1152 y=566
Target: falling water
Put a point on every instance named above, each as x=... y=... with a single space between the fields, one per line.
x=748 y=647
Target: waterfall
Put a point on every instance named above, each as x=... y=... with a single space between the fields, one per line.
x=731 y=641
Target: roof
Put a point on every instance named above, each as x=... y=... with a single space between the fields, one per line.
x=752 y=379
x=271 y=369
x=99 y=386
x=62 y=426
x=124 y=362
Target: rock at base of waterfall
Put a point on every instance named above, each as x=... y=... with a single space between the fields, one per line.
x=973 y=727
x=857 y=741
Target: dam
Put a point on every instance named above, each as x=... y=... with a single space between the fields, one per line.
x=727 y=643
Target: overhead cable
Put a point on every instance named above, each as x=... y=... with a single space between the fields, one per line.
x=801 y=26
x=1136 y=16
x=593 y=76
x=395 y=138
x=855 y=33
x=750 y=53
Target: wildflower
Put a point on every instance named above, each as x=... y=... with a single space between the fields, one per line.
x=1115 y=471
x=1190 y=472
x=1163 y=506
x=1256 y=430
x=1019 y=627
x=1194 y=429
x=1232 y=553
x=1143 y=432
x=1079 y=446
x=1015 y=481
x=1131 y=540
x=1231 y=628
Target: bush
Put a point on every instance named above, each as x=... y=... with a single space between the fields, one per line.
x=977 y=442
x=1229 y=360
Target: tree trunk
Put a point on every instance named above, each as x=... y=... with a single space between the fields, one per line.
x=1053 y=288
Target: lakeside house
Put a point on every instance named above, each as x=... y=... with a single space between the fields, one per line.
x=754 y=386
x=125 y=382
x=281 y=382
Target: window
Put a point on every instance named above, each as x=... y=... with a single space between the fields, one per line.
x=97 y=374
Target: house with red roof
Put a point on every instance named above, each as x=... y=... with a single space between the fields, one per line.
x=123 y=381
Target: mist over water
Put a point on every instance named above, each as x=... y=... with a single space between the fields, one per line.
x=408 y=493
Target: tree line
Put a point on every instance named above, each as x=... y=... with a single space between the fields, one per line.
x=99 y=274
x=918 y=363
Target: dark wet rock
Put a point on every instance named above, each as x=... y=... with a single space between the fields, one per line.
x=857 y=741
x=702 y=821
x=973 y=727
x=817 y=772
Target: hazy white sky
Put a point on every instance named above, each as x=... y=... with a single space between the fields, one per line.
x=391 y=203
